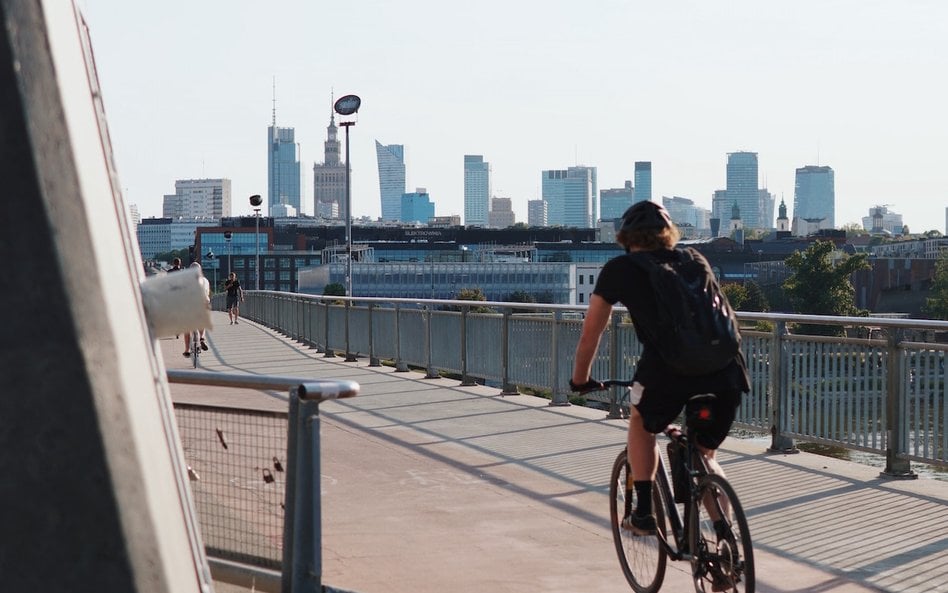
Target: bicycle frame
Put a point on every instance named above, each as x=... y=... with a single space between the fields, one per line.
x=679 y=522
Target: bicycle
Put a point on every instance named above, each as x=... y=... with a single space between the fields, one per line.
x=195 y=348
x=711 y=533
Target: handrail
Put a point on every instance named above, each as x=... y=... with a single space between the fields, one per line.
x=308 y=389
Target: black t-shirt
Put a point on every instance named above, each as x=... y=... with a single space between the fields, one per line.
x=622 y=281
x=233 y=287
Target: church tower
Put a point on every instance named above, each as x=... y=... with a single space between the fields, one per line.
x=783 y=223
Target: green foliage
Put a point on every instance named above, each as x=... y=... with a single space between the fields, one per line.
x=756 y=300
x=520 y=296
x=334 y=289
x=736 y=294
x=818 y=287
x=471 y=294
x=170 y=255
x=936 y=306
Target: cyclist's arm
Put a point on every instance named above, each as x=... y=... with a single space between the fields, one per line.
x=597 y=317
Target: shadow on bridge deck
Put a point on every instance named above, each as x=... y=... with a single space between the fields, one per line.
x=432 y=487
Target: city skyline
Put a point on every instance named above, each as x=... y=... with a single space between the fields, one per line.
x=852 y=89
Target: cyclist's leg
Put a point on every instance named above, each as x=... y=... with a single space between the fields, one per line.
x=187 y=343
x=648 y=415
x=723 y=410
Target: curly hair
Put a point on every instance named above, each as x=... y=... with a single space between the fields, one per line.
x=649 y=239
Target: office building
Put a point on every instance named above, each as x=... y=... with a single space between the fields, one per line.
x=416 y=207
x=283 y=166
x=720 y=211
x=198 y=198
x=881 y=220
x=391 y=163
x=767 y=203
x=329 y=178
x=814 y=195
x=693 y=221
x=501 y=214
x=614 y=202
x=643 y=181
x=570 y=196
x=742 y=188
x=537 y=213
x=476 y=190
x=161 y=235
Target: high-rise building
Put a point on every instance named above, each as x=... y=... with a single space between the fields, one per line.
x=329 y=178
x=476 y=190
x=742 y=187
x=569 y=195
x=198 y=198
x=416 y=207
x=391 y=161
x=537 y=213
x=767 y=202
x=501 y=214
x=814 y=195
x=643 y=181
x=614 y=202
x=720 y=211
x=691 y=219
x=283 y=166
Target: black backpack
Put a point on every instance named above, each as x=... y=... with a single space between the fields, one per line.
x=695 y=330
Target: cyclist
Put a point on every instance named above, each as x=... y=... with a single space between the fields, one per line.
x=657 y=395
x=206 y=288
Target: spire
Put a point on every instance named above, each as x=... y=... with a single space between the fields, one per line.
x=782 y=210
x=274 y=101
x=735 y=212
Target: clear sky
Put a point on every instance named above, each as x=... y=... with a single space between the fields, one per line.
x=859 y=85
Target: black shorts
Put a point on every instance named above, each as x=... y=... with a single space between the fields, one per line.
x=658 y=410
x=232 y=301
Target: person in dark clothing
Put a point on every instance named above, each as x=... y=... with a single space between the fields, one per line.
x=235 y=296
x=175 y=265
x=658 y=394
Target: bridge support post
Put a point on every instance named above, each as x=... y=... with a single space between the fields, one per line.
x=896 y=442
x=615 y=412
x=466 y=381
x=507 y=387
x=779 y=442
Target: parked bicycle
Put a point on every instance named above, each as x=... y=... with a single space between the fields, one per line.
x=710 y=531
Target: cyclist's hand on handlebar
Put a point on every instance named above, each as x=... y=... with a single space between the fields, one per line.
x=590 y=385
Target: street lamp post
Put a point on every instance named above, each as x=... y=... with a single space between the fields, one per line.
x=255 y=201
x=227 y=236
x=345 y=106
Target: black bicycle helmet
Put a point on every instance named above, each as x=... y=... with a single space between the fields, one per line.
x=644 y=215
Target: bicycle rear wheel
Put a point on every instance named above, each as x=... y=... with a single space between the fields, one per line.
x=195 y=348
x=720 y=541
x=642 y=558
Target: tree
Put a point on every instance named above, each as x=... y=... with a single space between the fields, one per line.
x=756 y=300
x=470 y=294
x=818 y=287
x=933 y=234
x=936 y=306
x=736 y=295
x=334 y=289
x=520 y=296
x=854 y=229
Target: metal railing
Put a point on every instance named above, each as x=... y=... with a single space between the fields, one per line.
x=882 y=389
x=255 y=480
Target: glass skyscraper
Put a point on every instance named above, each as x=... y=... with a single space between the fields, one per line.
x=417 y=207
x=814 y=195
x=742 y=187
x=643 y=181
x=283 y=167
x=570 y=196
x=476 y=190
x=391 y=160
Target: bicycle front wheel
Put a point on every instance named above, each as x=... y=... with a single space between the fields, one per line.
x=642 y=558
x=722 y=555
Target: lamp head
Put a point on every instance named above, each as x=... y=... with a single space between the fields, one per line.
x=256 y=200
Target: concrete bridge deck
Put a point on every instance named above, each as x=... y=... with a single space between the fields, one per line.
x=429 y=487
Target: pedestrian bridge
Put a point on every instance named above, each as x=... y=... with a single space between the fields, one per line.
x=430 y=485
